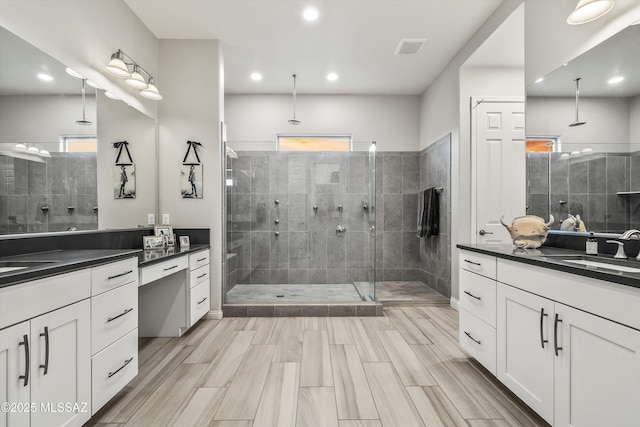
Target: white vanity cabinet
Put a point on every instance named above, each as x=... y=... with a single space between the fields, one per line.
x=45 y=360
x=199 y=286
x=567 y=345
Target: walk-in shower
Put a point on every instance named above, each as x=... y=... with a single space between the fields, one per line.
x=300 y=224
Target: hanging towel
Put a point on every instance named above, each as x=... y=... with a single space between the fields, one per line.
x=428 y=213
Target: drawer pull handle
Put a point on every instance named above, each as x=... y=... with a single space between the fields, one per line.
x=555 y=334
x=120 y=275
x=46 y=350
x=203 y=300
x=201 y=276
x=542 y=316
x=27 y=358
x=471 y=262
x=472 y=338
x=472 y=295
x=111 y=319
x=201 y=259
x=126 y=362
x=171 y=268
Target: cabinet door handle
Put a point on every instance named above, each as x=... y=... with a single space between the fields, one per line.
x=472 y=295
x=472 y=338
x=555 y=334
x=46 y=350
x=120 y=275
x=542 y=316
x=27 y=360
x=471 y=262
x=203 y=300
x=201 y=276
x=126 y=362
x=111 y=319
x=201 y=259
x=171 y=268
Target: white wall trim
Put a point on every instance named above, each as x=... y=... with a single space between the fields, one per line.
x=213 y=315
x=453 y=302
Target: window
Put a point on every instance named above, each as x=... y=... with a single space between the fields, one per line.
x=79 y=144
x=314 y=143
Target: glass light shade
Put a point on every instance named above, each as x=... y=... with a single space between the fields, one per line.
x=151 y=92
x=33 y=150
x=20 y=147
x=136 y=80
x=110 y=95
x=117 y=67
x=93 y=85
x=589 y=10
x=45 y=153
x=73 y=73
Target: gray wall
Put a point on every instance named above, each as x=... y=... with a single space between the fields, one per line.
x=307 y=249
x=65 y=179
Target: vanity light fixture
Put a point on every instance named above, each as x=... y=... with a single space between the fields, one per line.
x=589 y=10
x=20 y=147
x=121 y=65
x=112 y=96
x=614 y=80
x=73 y=73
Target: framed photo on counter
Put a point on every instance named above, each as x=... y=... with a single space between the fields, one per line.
x=164 y=230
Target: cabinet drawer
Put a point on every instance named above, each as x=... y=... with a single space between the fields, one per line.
x=30 y=299
x=199 y=275
x=198 y=259
x=478 y=296
x=113 y=368
x=478 y=339
x=482 y=264
x=200 y=302
x=160 y=270
x=113 y=314
x=112 y=275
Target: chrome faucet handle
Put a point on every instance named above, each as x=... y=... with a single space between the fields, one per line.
x=620 y=253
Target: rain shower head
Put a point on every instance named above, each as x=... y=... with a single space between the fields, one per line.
x=294 y=121
x=83 y=121
x=577 y=121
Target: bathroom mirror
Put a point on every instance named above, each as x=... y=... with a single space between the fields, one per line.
x=68 y=186
x=590 y=170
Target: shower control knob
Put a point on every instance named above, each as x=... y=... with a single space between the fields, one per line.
x=277 y=221
x=277 y=202
x=277 y=233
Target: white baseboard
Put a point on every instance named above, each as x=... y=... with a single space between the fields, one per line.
x=213 y=315
x=454 y=303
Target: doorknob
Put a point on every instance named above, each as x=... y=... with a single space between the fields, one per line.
x=482 y=232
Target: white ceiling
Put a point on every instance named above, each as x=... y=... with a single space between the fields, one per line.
x=354 y=38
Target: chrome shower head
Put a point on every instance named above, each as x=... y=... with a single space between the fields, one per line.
x=294 y=121
x=83 y=121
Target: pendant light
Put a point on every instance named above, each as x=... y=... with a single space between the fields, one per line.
x=589 y=10
x=84 y=121
x=294 y=121
x=577 y=121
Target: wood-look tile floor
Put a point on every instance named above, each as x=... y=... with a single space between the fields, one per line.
x=401 y=370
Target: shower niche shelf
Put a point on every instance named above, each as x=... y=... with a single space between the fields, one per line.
x=627 y=193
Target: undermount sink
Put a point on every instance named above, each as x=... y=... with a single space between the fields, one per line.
x=600 y=264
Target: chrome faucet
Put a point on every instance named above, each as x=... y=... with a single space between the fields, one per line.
x=627 y=236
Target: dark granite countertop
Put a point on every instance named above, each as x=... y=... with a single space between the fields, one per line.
x=552 y=258
x=50 y=263
x=153 y=256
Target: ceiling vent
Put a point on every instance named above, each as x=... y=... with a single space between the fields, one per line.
x=409 y=46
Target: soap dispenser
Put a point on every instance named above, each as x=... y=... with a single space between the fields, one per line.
x=592 y=245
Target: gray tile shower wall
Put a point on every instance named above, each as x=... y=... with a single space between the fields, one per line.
x=282 y=212
x=435 y=252
x=64 y=180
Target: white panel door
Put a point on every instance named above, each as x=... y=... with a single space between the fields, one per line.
x=498 y=167
x=525 y=356
x=597 y=371
x=15 y=372
x=61 y=366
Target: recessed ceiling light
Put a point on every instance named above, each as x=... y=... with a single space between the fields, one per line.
x=45 y=77
x=332 y=77
x=540 y=79
x=614 y=80
x=110 y=95
x=256 y=77
x=310 y=14
x=73 y=73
